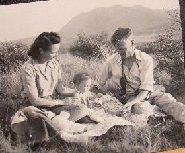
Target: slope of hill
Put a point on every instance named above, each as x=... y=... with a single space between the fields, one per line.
x=145 y=22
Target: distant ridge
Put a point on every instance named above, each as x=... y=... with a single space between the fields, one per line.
x=145 y=22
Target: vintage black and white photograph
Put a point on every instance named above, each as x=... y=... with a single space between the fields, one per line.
x=92 y=76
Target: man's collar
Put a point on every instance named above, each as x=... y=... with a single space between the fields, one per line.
x=117 y=56
x=137 y=54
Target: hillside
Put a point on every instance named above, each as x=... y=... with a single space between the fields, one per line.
x=145 y=22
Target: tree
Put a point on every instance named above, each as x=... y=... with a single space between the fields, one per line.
x=8 y=2
x=182 y=16
x=168 y=55
x=94 y=46
x=12 y=56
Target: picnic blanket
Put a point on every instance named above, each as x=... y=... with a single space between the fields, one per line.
x=139 y=114
x=168 y=104
x=70 y=131
x=36 y=129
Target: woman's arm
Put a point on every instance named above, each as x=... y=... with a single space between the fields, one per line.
x=63 y=91
x=37 y=101
x=28 y=78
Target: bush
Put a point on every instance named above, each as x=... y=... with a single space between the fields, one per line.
x=12 y=55
x=168 y=52
x=71 y=65
x=95 y=46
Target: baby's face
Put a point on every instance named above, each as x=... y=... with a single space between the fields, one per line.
x=85 y=86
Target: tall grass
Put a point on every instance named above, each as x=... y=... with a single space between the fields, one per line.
x=117 y=139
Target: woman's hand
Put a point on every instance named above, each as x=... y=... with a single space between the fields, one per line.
x=72 y=101
x=68 y=92
x=57 y=102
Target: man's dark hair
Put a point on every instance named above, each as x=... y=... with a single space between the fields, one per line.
x=43 y=41
x=120 y=33
x=80 y=77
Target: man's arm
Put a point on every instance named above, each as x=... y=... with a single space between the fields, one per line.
x=146 y=78
x=141 y=96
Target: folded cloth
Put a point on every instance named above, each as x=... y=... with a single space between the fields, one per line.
x=36 y=129
x=140 y=113
x=29 y=124
x=168 y=104
x=39 y=125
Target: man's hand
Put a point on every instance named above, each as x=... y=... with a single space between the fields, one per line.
x=97 y=102
x=129 y=104
x=140 y=97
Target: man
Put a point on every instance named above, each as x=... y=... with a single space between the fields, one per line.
x=129 y=74
x=130 y=71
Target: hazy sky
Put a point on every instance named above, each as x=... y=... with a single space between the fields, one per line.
x=27 y=20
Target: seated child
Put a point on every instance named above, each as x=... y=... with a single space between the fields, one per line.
x=83 y=83
x=100 y=106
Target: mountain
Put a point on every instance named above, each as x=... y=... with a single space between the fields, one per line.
x=26 y=41
x=145 y=22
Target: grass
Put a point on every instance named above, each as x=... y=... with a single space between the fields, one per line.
x=117 y=139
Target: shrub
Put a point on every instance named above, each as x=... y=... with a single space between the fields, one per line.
x=12 y=55
x=167 y=50
x=72 y=65
x=10 y=84
x=95 y=46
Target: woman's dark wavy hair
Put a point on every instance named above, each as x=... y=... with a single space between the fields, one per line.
x=44 y=41
x=120 y=33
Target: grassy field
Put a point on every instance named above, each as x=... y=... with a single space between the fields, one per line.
x=118 y=139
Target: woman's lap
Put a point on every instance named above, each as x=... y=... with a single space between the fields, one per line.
x=76 y=111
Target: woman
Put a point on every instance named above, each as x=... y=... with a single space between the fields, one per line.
x=41 y=77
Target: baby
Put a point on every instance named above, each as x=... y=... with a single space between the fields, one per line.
x=83 y=84
x=84 y=96
x=98 y=102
